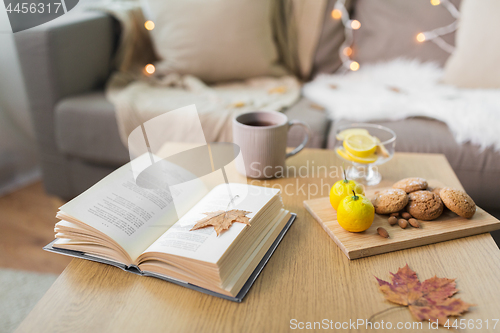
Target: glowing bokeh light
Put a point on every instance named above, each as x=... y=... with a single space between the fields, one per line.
x=150 y=69
x=336 y=14
x=149 y=25
x=354 y=66
x=421 y=37
x=355 y=24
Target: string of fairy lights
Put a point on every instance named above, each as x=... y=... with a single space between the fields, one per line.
x=149 y=69
x=435 y=35
x=340 y=12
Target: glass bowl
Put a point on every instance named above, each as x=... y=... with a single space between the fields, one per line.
x=364 y=169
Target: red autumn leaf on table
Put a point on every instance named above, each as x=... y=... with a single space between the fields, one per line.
x=428 y=300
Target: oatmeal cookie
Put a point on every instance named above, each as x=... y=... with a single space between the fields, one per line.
x=458 y=202
x=390 y=201
x=424 y=205
x=411 y=184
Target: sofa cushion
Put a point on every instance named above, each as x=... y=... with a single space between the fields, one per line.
x=214 y=40
x=389 y=29
x=86 y=128
x=477 y=169
x=478 y=27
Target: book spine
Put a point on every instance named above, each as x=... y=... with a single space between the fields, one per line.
x=134 y=269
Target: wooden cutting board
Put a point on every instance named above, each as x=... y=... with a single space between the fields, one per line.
x=368 y=243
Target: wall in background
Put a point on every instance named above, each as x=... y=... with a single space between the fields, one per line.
x=18 y=156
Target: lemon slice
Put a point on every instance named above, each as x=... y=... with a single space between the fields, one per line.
x=381 y=150
x=360 y=145
x=363 y=160
x=345 y=133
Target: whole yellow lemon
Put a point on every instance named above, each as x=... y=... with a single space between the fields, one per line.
x=355 y=213
x=343 y=188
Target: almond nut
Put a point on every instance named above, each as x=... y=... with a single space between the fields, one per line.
x=406 y=215
x=393 y=220
x=382 y=232
x=403 y=223
x=414 y=223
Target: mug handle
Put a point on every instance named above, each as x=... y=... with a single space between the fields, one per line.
x=306 y=138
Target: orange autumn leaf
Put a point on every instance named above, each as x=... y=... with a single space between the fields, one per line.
x=221 y=220
x=428 y=300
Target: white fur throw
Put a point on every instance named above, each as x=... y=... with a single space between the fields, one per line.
x=404 y=88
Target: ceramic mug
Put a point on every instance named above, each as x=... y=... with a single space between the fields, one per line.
x=262 y=138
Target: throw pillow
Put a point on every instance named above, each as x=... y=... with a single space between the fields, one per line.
x=214 y=40
x=389 y=29
x=474 y=64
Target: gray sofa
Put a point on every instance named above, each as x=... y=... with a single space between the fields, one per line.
x=66 y=64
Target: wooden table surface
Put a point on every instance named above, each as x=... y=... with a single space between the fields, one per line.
x=308 y=279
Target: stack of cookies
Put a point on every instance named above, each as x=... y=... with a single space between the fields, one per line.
x=411 y=198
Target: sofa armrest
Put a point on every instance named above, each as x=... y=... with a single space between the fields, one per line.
x=67 y=56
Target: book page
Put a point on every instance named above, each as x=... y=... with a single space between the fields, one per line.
x=204 y=244
x=132 y=215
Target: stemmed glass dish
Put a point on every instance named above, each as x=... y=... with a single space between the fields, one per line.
x=365 y=146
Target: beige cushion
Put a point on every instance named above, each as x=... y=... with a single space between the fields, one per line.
x=214 y=40
x=389 y=29
x=475 y=62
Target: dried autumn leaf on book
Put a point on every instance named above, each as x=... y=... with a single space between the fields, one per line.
x=221 y=220
x=430 y=300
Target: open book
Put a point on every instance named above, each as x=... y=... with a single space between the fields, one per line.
x=148 y=231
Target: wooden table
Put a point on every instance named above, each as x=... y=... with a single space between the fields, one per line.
x=307 y=279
